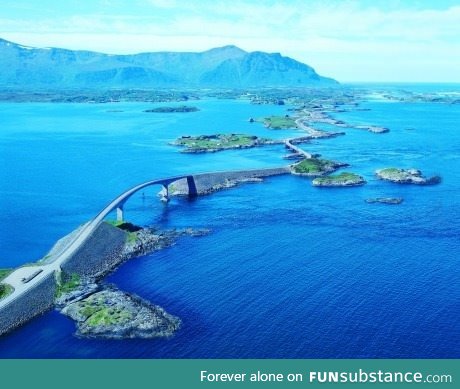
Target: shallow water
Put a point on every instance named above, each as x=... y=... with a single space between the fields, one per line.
x=288 y=271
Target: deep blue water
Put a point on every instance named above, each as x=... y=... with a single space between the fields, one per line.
x=289 y=270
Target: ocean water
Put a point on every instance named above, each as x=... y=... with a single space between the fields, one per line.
x=289 y=271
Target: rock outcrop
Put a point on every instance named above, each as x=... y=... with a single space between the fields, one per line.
x=340 y=180
x=111 y=313
x=406 y=176
x=102 y=311
x=385 y=200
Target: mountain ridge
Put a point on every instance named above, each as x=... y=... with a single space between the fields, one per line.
x=228 y=66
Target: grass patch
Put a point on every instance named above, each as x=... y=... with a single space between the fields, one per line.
x=4 y=273
x=391 y=171
x=131 y=237
x=69 y=285
x=115 y=223
x=96 y=311
x=109 y=316
x=124 y=225
x=314 y=166
x=5 y=290
x=278 y=122
x=90 y=307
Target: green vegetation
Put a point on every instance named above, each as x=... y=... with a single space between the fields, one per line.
x=342 y=179
x=124 y=225
x=108 y=316
x=131 y=237
x=391 y=171
x=68 y=285
x=182 y=108
x=5 y=290
x=278 y=122
x=206 y=143
x=96 y=312
x=315 y=166
x=406 y=176
x=4 y=273
x=115 y=223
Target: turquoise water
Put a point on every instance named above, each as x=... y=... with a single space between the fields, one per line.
x=289 y=271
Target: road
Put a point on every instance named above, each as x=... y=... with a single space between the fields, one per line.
x=54 y=262
x=56 y=259
x=296 y=149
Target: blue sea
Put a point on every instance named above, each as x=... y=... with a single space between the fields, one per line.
x=289 y=270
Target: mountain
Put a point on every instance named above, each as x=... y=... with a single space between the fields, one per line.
x=223 y=67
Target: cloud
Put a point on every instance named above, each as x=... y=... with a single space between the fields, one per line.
x=338 y=38
x=163 y=3
x=292 y=19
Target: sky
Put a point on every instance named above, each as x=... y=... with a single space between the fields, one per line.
x=349 y=40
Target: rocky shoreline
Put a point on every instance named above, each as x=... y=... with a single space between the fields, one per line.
x=147 y=240
x=176 y=190
x=103 y=311
x=112 y=314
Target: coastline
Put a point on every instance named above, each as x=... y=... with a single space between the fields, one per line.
x=384 y=189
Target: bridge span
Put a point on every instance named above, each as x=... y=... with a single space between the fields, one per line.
x=26 y=278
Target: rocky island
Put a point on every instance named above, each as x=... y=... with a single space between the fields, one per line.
x=219 y=142
x=314 y=167
x=180 y=109
x=103 y=311
x=340 y=180
x=385 y=200
x=406 y=176
x=111 y=313
x=374 y=129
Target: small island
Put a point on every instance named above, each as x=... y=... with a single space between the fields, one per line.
x=385 y=200
x=340 y=180
x=180 y=109
x=374 y=129
x=406 y=176
x=314 y=167
x=278 y=122
x=219 y=142
x=113 y=314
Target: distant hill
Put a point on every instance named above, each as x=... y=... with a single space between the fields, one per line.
x=223 y=67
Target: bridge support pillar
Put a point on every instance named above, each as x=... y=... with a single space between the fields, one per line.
x=120 y=213
x=192 y=191
x=165 y=194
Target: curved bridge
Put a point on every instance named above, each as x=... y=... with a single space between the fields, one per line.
x=165 y=182
x=25 y=278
